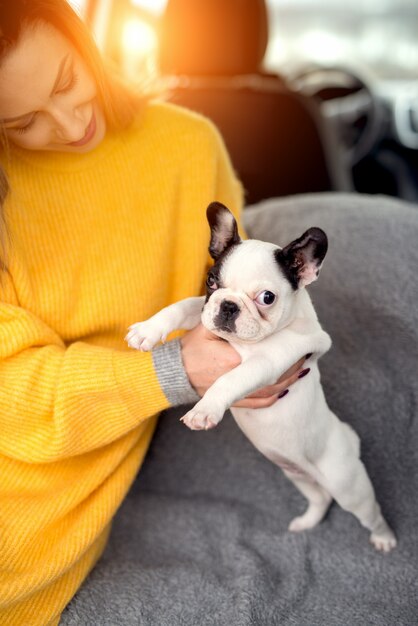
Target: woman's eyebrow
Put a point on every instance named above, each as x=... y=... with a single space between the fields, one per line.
x=61 y=67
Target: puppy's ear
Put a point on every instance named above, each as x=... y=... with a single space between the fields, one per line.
x=223 y=229
x=301 y=260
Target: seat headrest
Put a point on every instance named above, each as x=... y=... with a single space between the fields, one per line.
x=213 y=37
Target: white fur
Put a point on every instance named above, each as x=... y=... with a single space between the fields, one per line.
x=299 y=433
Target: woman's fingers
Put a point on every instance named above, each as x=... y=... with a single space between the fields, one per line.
x=256 y=403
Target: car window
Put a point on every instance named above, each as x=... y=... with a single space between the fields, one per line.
x=353 y=34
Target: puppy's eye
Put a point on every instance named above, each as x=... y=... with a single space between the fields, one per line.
x=211 y=282
x=265 y=298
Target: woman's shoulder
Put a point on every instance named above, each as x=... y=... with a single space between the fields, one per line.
x=172 y=119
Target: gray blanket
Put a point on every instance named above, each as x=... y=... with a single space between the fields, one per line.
x=202 y=537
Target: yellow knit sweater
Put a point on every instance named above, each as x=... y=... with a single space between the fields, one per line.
x=97 y=241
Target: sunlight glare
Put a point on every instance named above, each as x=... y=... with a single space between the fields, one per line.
x=139 y=38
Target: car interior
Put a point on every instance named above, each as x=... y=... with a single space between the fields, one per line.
x=318 y=106
x=348 y=125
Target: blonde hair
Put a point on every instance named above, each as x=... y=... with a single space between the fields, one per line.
x=120 y=102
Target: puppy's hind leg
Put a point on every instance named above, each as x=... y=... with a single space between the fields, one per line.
x=318 y=498
x=352 y=489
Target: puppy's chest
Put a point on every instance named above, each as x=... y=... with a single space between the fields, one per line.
x=274 y=431
x=280 y=442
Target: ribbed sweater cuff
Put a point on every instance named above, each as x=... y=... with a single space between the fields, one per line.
x=171 y=374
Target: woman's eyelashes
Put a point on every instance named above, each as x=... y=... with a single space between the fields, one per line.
x=24 y=129
x=72 y=81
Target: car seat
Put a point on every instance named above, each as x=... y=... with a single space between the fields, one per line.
x=211 y=52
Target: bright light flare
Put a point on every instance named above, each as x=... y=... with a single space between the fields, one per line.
x=139 y=38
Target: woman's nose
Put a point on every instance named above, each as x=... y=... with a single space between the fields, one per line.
x=69 y=124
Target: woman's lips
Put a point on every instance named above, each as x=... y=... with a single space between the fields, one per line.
x=90 y=132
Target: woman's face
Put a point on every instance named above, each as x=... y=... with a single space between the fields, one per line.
x=48 y=99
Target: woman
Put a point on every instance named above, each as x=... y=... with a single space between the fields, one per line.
x=103 y=201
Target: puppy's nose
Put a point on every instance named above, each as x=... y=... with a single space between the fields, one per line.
x=229 y=309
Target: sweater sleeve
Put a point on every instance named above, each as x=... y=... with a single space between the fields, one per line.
x=171 y=374
x=58 y=401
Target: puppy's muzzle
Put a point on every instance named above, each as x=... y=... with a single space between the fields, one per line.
x=228 y=313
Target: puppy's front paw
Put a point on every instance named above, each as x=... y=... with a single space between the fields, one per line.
x=144 y=335
x=201 y=418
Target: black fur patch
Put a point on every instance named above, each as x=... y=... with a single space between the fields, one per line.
x=310 y=248
x=289 y=274
x=209 y=290
x=216 y=269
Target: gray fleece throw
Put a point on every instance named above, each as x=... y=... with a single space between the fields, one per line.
x=202 y=537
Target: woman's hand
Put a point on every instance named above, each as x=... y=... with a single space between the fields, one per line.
x=206 y=358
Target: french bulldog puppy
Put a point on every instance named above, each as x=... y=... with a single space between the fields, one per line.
x=257 y=301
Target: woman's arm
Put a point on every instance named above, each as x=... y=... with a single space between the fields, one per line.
x=58 y=401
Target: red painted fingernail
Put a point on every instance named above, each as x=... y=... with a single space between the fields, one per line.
x=281 y=395
x=304 y=372
x=308 y=356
